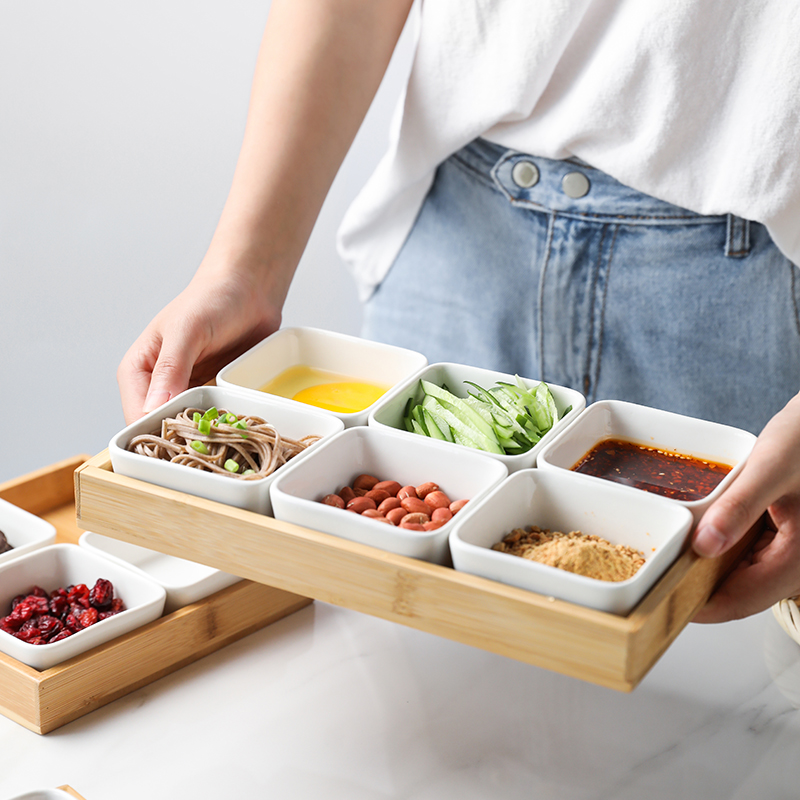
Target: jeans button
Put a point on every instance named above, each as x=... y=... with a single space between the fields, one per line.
x=525 y=174
x=575 y=185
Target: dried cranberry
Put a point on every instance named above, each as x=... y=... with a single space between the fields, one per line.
x=59 y=604
x=78 y=593
x=102 y=594
x=89 y=617
x=38 y=591
x=17 y=600
x=49 y=626
x=61 y=635
x=40 y=604
x=117 y=605
x=22 y=612
x=72 y=624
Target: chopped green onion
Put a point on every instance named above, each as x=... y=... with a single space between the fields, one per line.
x=230 y=418
x=199 y=446
x=204 y=426
x=249 y=472
x=196 y=417
x=242 y=426
x=231 y=465
x=212 y=413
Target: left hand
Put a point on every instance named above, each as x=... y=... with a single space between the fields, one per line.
x=769 y=481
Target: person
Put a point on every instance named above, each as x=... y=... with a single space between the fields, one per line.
x=598 y=193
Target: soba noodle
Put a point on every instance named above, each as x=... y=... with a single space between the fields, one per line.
x=257 y=447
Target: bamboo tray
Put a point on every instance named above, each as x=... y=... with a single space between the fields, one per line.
x=45 y=700
x=70 y=790
x=595 y=646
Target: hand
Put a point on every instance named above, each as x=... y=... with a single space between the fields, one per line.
x=770 y=481
x=214 y=320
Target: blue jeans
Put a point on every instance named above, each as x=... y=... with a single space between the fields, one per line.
x=613 y=293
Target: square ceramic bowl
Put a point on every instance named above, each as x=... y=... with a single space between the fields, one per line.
x=387 y=455
x=292 y=421
x=389 y=411
x=568 y=502
x=184 y=581
x=651 y=427
x=58 y=566
x=345 y=357
x=24 y=531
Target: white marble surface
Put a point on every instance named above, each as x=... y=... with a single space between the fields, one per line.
x=332 y=704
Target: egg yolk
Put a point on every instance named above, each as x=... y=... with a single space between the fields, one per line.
x=344 y=397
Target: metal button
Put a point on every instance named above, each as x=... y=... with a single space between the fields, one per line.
x=575 y=185
x=525 y=174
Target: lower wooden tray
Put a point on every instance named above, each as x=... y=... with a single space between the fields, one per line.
x=71 y=791
x=591 y=645
x=45 y=700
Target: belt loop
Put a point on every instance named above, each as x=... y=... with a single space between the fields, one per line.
x=737 y=240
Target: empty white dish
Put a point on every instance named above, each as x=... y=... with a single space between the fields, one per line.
x=292 y=421
x=357 y=359
x=560 y=501
x=184 y=581
x=62 y=565
x=388 y=455
x=24 y=531
x=651 y=427
x=389 y=411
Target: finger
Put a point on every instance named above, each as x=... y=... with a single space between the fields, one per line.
x=773 y=575
x=172 y=370
x=765 y=477
x=133 y=375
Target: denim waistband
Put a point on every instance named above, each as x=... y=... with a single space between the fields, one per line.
x=605 y=200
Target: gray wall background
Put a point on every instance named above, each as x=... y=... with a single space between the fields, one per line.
x=120 y=124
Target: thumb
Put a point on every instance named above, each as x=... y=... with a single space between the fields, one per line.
x=758 y=485
x=171 y=372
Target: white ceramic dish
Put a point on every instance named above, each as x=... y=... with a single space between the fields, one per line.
x=388 y=412
x=44 y=794
x=60 y=565
x=184 y=581
x=356 y=358
x=615 y=419
x=566 y=502
x=293 y=421
x=25 y=532
x=387 y=455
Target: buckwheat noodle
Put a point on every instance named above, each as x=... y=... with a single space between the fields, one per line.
x=263 y=450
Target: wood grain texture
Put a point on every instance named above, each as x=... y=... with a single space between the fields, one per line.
x=591 y=645
x=45 y=700
x=70 y=791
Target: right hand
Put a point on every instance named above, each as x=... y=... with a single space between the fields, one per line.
x=214 y=320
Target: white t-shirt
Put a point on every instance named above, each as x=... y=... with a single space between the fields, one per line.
x=696 y=102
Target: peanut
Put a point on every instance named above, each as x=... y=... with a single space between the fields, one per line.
x=407 y=491
x=392 y=487
x=347 y=494
x=396 y=514
x=426 y=488
x=333 y=500
x=365 y=482
x=441 y=515
x=415 y=505
x=388 y=504
x=378 y=495
x=361 y=504
x=457 y=505
x=414 y=519
x=437 y=499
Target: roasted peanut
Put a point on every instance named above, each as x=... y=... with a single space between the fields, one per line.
x=407 y=491
x=392 y=487
x=415 y=505
x=347 y=494
x=333 y=500
x=411 y=526
x=414 y=519
x=365 y=482
x=434 y=524
x=396 y=515
x=457 y=505
x=388 y=504
x=437 y=499
x=426 y=488
x=441 y=515
x=378 y=495
x=372 y=513
x=361 y=504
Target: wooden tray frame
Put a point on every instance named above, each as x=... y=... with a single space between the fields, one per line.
x=595 y=646
x=71 y=791
x=45 y=700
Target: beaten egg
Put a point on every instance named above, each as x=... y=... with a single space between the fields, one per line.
x=324 y=389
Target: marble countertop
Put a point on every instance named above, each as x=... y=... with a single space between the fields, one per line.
x=333 y=704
